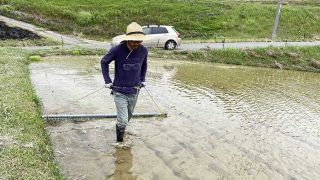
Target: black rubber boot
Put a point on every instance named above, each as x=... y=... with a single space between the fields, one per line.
x=120 y=133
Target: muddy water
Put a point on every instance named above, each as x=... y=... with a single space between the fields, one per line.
x=223 y=122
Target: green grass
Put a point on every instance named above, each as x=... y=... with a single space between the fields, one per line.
x=28 y=42
x=194 y=19
x=25 y=148
x=69 y=52
x=292 y=58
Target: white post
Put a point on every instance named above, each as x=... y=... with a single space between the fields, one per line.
x=62 y=43
x=276 y=21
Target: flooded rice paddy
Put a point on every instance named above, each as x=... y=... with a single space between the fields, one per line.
x=224 y=122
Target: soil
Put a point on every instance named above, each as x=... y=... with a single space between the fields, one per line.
x=7 y=32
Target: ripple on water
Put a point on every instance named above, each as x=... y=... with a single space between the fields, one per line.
x=275 y=109
x=223 y=122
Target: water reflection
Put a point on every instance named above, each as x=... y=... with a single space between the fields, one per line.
x=285 y=102
x=123 y=162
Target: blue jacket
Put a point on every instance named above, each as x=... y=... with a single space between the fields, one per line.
x=130 y=68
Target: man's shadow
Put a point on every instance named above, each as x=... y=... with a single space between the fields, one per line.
x=123 y=163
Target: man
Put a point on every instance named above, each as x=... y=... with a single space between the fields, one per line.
x=130 y=70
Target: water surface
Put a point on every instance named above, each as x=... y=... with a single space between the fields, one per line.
x=223 y=122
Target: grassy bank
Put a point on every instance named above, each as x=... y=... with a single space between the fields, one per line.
x=25 y=149
x=291 y=58
x=204 y=19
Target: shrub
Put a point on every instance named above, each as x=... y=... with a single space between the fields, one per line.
x=75 y=52
x=4 y=2
x=69 y=14
x=84 y=18
x=5 y=8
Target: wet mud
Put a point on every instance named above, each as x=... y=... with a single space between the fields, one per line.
x=7 y=32
x=224 y=122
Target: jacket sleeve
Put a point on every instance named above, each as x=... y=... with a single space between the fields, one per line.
x=144 y=68
x=105 y=61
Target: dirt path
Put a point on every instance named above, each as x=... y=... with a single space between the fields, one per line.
x=70 y=41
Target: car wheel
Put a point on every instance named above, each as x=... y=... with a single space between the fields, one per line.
x=170 y=45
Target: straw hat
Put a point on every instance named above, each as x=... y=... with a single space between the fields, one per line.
x=134 y=33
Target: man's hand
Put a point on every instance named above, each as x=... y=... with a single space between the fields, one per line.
x=108 y=85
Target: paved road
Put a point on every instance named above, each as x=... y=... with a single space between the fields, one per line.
x=72 y=41
x=245 y=44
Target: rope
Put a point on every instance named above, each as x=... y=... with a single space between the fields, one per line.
x=103 y=88
x=74 y=101
x=88 y=94
x=138 y=88
x=153 y=100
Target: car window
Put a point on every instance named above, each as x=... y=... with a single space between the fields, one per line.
x=159 y=30
x=146 y=30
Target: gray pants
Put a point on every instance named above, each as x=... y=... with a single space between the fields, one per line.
x=125 y=105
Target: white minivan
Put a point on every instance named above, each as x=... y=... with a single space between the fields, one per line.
x=157 y=36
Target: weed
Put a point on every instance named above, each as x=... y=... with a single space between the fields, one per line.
x=34 y=58
x=84 y=18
